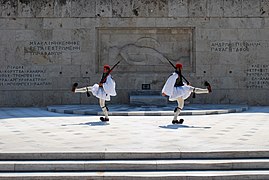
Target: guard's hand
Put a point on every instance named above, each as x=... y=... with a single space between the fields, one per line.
x=163 y=94
x=100 y=84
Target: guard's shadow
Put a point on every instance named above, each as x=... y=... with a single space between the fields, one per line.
x=178 y=126
x=97 y=123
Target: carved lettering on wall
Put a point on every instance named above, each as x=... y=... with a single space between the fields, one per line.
x=51 y=47
x=237 y=46
x=258 y=76
x=20 y=76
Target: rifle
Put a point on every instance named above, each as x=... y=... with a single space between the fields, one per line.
x=104 y=79
x=193 y=95
x=180 y=72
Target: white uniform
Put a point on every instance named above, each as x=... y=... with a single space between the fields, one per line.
x=175 y=92
x=103 y=93
x=108 y=89
x=179 y=93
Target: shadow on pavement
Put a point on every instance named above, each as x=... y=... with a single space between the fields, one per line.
x=179 y=126
x=97 y=123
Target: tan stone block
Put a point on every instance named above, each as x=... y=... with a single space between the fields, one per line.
x=219 y=70
x=251 y=8
x=70 y=23
x=104 y=8
x=82 y=8
x=264 y=10
x=81 y=58
x=178 y=8
x=43 y=8
x=248 y=34
x=145 y=22
x=262 y=34
x=244 y=23
x=52 y=23
x=63 y=83
x=257 y=96
x=61 y=35
x=232 y=8
x=122 y=8
x=68 y=97
x=25 y=35
x=15 y=24
x=197 y=8
x=206 y=58
x=208 y=34
x=215 y=8
x=51 y=98
x=52 y=70
x=70 y=71
x=62 y=8
x=89 y=22
x=229 y=58
x=9 y=8
x=158 y=8
x=238 y=96
x=202 y=45
x=161 y=22
x=229 y=34
x=203 y=70
x=87 y=71
x=3 y=22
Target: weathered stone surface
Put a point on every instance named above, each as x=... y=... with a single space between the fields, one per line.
x=251 y=8
x=122 y=8
x=104 y=8
x=9 y=8
x=62 y=8
x=232 y=8
x=60 y=42
x=178 y=8
x=215 y=8
x=82 y=8
x=198 y=8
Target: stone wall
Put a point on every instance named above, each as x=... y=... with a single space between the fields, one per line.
x=47 y=45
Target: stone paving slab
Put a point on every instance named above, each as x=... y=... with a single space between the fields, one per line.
x=37 y=130
x=127 y=110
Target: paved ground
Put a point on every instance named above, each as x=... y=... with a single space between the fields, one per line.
x=37 y=130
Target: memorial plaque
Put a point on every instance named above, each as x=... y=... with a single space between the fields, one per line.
x=145 y=49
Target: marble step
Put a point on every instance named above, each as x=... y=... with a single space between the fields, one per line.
x=157 y=155
x=134 y=165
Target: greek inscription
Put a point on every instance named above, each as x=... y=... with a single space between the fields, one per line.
x=19 y=76
x=237 y=46
x=258 y=76
x=52 y=47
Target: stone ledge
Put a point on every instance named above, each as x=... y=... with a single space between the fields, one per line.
x=126 y=110
x=148 y=100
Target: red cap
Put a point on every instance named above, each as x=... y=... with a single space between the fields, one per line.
x=107 y=66
x=178 y=65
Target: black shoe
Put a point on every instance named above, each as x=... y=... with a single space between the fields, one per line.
x=75 y=85
x=175 y=122
x=208 y=86
x=104 y=119
x=181 y=121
